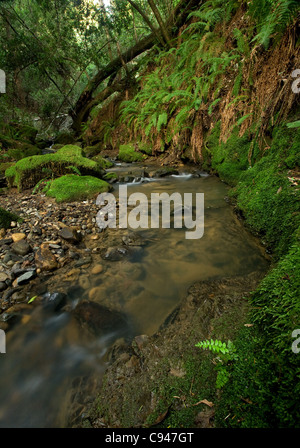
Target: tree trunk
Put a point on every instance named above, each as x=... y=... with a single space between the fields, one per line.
x=81 y=110
x=159 y=19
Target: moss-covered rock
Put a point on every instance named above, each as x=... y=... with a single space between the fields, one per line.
x=75 y=188
x=6 y=218
x=92 y=151
x=128 y=154
x=26 y=173
x=104 y=163
x=145 y=148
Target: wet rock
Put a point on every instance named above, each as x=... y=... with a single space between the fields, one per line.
x=3 y=286
x=83 y=261
x=115 y=253
x=44 y=259
x=99 y=319
x=163 y=172
x=25 y=278
x=54 y=301
x=6 y=242
x=21 y=247
x=133 y=239
x=70 y=235
x=3 y=276
x=97 y=269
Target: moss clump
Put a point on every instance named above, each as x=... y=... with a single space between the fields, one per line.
x=20 y=153
x=71 y=188
x=145 y=148
x=128 y=154
x=4 y=166
x=110 y=176
x=104 y=163
x=92 y=151
x=26 y=173
x=7 y=217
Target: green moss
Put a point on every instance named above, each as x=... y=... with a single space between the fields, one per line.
x=21 y=153
x=7 y=217
x=228 y=159
x=27 y=172
x=104 y=163
x=145 y=148
x=128 y=154
x=92 y=151
x=110 y=176
x=75 y=188
x=264 y=389
x=4 y=166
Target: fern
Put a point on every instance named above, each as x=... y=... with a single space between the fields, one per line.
x=162 y=120
x=274 y=16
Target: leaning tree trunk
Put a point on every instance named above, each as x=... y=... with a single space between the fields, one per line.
x=81 y=110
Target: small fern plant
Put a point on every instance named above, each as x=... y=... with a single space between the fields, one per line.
x=227 y=354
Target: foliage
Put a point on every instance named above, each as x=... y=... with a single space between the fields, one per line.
x=263 y=390
x=227 y=354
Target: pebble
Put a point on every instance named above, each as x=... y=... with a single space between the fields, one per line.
x=18 y=237
x=97 y=269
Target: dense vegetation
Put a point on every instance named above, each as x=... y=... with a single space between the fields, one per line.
x=218 y=90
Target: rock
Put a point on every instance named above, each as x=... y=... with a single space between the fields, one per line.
x=3 y=286
x=70 y=235
x=133 y=239
x=10 y=256
x=54 y=301
x=3 y=276
x=115 y=253
x=5 y=241
x=99 y=319
x=2 y=233
x=25 y=278
x=44 y=259
x=83 y=261
x=21 y=247
x=97 y=269
x=18 y=237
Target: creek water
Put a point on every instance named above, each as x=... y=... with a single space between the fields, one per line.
x=52 y=366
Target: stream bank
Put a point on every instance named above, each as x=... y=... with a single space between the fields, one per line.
x=82 y=290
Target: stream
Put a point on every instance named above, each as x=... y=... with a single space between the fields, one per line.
x=53 y=366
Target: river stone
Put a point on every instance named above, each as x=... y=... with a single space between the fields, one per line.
x=133 y=239
x=6 y=241
x=83 y=261
x=100 y=320
x=3 y=286
x=115 y=253
x=54 y=301
x=18 y=237
x=3 y=276
x=25 y=278
x=44 y=259
x=97 y=269
x=21 y=247
x=70 y=235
